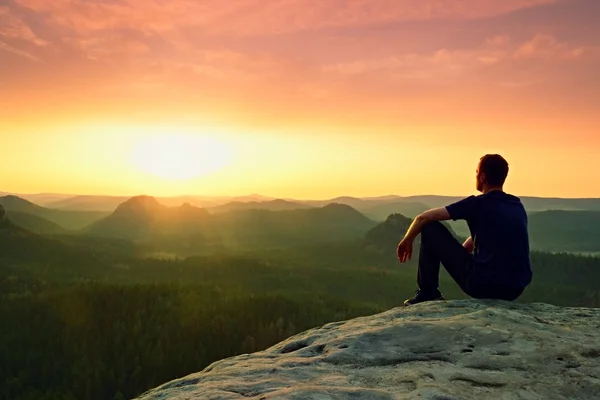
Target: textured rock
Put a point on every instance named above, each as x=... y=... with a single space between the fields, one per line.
x=438 y=351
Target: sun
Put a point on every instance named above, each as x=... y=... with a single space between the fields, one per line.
x=180 y=156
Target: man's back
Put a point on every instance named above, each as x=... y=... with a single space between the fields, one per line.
x=498 y=225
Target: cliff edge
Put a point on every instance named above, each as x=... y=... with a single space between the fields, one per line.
x=447 y=350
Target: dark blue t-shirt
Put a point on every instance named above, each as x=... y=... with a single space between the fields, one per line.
x=498 y=225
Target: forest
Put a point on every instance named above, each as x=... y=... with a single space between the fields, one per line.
x=78 y=325
x=91 y=317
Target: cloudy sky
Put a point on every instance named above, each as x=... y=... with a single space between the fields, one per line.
x=298 y=98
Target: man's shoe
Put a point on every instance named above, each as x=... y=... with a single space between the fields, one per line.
x=421 y=296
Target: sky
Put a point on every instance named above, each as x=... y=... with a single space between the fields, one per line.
x=298 y=98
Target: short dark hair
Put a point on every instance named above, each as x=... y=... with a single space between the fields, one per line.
x=495 y=168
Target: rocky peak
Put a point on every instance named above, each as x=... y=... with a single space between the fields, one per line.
x=440 y=350
x=140 y=204
x=387 y=234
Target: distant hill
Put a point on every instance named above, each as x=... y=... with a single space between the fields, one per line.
x=143 y=218
x=33 y=223
x=407 y=208
x=7 y=228
x=110 y=203
x=88 y=203
x=331 y=223
x=20 y=247
x=558 y=231
x=72 y=220
x=433 y=201
x=353 y=202
x=42 y=199
x=386 y=235
x=14 y=203
x=273 y=205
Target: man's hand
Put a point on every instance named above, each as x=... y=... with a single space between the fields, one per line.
x=469 y=245
x=405 y=249
x=406 y=245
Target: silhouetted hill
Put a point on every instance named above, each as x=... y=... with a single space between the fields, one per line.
x=42 y=199
x=33 y=223
x=350 y=201
x=378 y=208
x=14 y=203
x=381 y=211
x=386 y=235
x=6 y=226
x=143 y=217
x=140 y=205
x=110 y=203
x=72 y=220
x=334 y=222
x=433 y=201
x=89 y=203
x=353 y=202
x=273 y=205
x=558 y=231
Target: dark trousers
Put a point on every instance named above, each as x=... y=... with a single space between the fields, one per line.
x=439 y=246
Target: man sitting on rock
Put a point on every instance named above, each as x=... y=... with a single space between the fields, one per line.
x=494 y=262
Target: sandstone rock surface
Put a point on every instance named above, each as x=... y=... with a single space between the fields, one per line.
x=437 y=351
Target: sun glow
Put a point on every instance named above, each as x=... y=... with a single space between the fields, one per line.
x=180 y=156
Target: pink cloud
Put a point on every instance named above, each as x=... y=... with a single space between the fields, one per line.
x=493 y=59
x=12 y=27
x=547 y=47
x=218 y=44
x=437 y=65
x=261 y=17
x=18 y=52
x=122 y=29
x=499 y=40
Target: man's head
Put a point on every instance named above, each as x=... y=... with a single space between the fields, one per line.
x=491 y=172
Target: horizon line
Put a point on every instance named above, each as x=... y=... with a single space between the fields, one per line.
x=370 y=197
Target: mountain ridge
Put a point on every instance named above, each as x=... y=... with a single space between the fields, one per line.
x=69 y=220
x=144 y=218
x=78 y=202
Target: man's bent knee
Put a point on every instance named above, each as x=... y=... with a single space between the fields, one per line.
x=433 y=228
x=433 y=225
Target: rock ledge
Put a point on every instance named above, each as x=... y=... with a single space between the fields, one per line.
x=437 y=351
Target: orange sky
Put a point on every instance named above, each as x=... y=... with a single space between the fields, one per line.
x=298 y=98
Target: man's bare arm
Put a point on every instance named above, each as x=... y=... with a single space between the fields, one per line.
x=405 y=247
x=436 y=214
